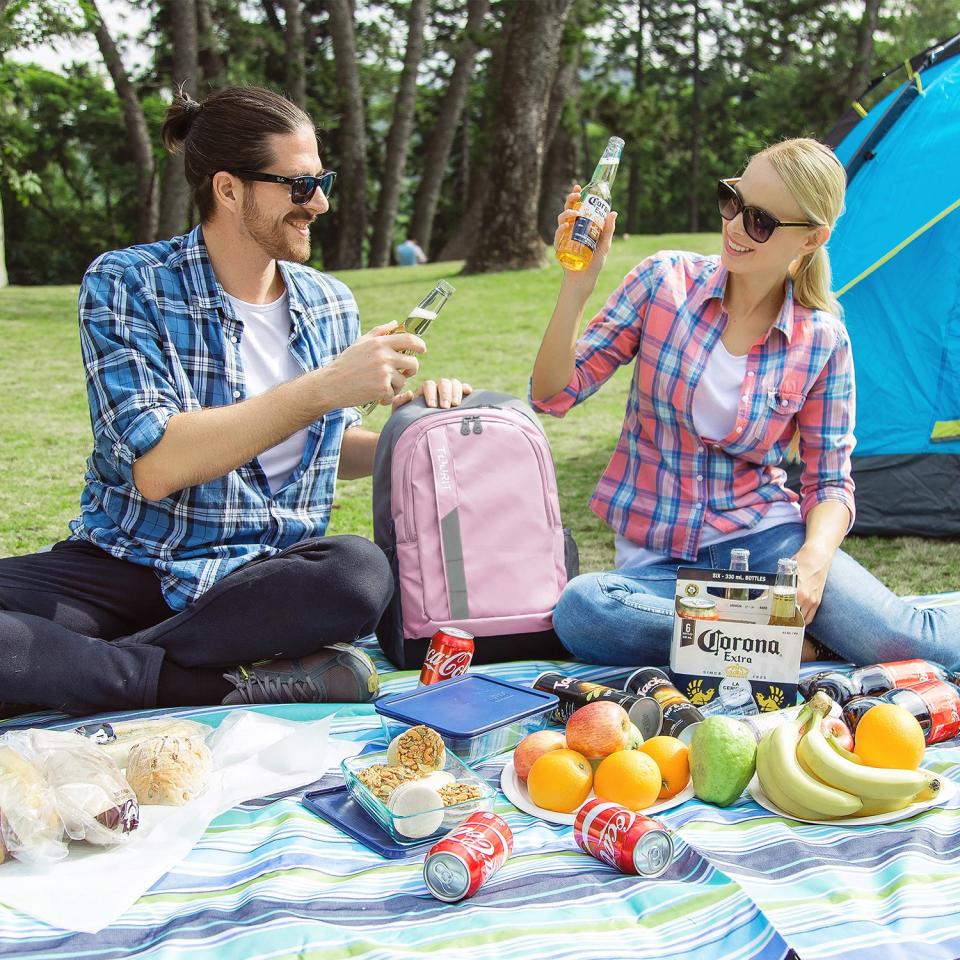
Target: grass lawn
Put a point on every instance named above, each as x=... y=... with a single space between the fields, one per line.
x=488 y=335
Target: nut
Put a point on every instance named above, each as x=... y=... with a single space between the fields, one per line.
x=460 y=792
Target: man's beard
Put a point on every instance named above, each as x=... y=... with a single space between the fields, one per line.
x=274 y=236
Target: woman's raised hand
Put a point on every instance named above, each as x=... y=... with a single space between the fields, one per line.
x=585 y=278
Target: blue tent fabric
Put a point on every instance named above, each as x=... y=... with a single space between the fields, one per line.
x=904 y=315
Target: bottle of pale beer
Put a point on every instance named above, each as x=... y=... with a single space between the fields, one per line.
x=740 y=562
x=783 y=613
x=576 y=247
x=418 y=320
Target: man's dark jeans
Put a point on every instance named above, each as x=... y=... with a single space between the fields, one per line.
x=81 y=631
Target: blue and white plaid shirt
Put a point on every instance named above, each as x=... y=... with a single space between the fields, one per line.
x=159 y=338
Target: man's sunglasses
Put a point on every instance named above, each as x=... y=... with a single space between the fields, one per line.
x=302 y=189
x=758 y=224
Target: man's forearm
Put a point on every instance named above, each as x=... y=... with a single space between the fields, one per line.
x=356 y=453
x=202 y=445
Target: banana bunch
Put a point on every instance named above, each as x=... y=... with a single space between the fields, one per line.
x=811 y=777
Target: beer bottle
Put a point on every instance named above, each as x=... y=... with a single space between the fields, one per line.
x=576 y=247
x=739 y=561
x=418 y=320
x=873 y=680
x=935 y=704
x=783 y=612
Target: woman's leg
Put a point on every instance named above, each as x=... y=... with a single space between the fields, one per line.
x=619 y=618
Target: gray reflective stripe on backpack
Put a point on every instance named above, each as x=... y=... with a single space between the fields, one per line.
x=453 y=566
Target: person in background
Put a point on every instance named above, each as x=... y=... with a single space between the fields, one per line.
x=409 y=253
x=222 y=376
x=732 y=355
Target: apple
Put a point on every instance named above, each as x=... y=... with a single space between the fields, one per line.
x=533 y=746
x=599 y=729
x=836 y=728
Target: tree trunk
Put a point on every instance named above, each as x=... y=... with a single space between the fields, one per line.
x=694 y=181
x=560 y=161
x=175 y=196
x=440 y=140
x=4 y=279
x=211 y=63
x=398 y=140
x=145 y=230
x=633 y=183
x=508 y=237
x=351 y=222
x=860 y=69
x=296 y=56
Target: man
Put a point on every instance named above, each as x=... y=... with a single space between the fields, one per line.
x=222 y=376
x=410 y=254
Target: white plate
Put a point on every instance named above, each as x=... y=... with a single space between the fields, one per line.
x=516 y=791
x=946 y=792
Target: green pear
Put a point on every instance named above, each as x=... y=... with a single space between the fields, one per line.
x=723 y=758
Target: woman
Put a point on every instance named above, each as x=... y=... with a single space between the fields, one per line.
x=734 y=355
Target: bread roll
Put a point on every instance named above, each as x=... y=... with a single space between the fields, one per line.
x=169 y=771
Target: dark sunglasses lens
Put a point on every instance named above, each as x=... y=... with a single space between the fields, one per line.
x=759 y=225
x=727 y=201
x=302 y=189
x=326 y=182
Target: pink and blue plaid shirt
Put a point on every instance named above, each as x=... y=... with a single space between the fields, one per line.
x=665 y=481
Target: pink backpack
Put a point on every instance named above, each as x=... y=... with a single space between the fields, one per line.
x=465 y=508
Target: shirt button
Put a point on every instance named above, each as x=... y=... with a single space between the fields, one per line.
x=699 y=478
x=236 y=394
x=783 y=403
x=739 y=429
x=234 y=340
x=745 y=398
x=699 y=506
x=751 y=373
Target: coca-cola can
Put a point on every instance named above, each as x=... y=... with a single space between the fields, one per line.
x=448 y=655
x=459 y=864
x=628 y=841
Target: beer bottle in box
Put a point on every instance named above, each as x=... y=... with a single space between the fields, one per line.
x=740 y=562
x=576 y=247
x=935 y=704
x=783 y=612
x=874 y=679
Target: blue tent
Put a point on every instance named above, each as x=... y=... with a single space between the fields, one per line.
x=896 y=263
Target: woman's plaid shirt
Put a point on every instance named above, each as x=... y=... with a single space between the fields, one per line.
x=158 y=339
x=664 y=480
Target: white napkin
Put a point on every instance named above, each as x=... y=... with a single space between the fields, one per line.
x=254 y=756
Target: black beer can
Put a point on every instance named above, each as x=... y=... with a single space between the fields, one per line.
x=679 y=714
x=644 y=712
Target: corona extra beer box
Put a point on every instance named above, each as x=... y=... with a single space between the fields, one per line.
x=726 y=656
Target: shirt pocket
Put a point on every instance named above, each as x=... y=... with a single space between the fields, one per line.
x=772 y=415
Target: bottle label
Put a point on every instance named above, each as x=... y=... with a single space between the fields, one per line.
x=943 y=703
x=589 y=224
x=905 y=673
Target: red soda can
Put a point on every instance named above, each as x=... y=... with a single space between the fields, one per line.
x=458 y=865
x=448 y=655
x=628 y=841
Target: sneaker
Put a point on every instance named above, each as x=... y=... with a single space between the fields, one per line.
x=340 y=673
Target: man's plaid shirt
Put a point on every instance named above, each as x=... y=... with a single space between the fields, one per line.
x=664 y=480
x=159 y=338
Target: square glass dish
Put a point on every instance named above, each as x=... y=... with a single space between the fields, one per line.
x=476 y=715
x=425 y=823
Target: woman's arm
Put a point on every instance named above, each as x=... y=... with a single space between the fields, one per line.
x=827 y=525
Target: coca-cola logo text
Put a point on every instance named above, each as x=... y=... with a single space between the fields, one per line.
x=611 y=834
x=447 y=665
x=478 y=841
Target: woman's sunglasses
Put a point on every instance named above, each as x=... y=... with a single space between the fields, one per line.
x=302 y=189
x=758 y=224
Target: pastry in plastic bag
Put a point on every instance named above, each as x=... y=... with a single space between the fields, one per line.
x=170 y=771
x=30 y=826
x=93 y=799
x=118 y=739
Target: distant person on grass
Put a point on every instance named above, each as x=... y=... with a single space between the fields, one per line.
x=409 y=253
x=222 y=376
x=734 y=354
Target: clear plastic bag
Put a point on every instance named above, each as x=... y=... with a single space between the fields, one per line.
x=93 y=798
x=118 y=739
x=30 y=825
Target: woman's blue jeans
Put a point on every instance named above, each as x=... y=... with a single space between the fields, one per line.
x=625 y=617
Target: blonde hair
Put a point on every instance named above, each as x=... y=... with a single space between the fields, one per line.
x=817 y=181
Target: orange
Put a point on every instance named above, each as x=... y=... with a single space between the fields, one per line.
x=889 y=736
x=560 y=780
x=629 y=778
x=673 y=759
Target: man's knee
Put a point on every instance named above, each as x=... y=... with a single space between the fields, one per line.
x=576 y=610
x=364 y=579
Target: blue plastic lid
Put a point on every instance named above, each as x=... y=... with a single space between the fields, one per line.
x=466 y=706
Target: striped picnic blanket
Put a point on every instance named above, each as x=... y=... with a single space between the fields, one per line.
x=270 y=879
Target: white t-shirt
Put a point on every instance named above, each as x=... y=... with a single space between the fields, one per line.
x=267 y=361
x=715 y=403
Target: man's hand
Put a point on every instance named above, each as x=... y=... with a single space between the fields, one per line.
x=375 y=367
x=445 y=393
